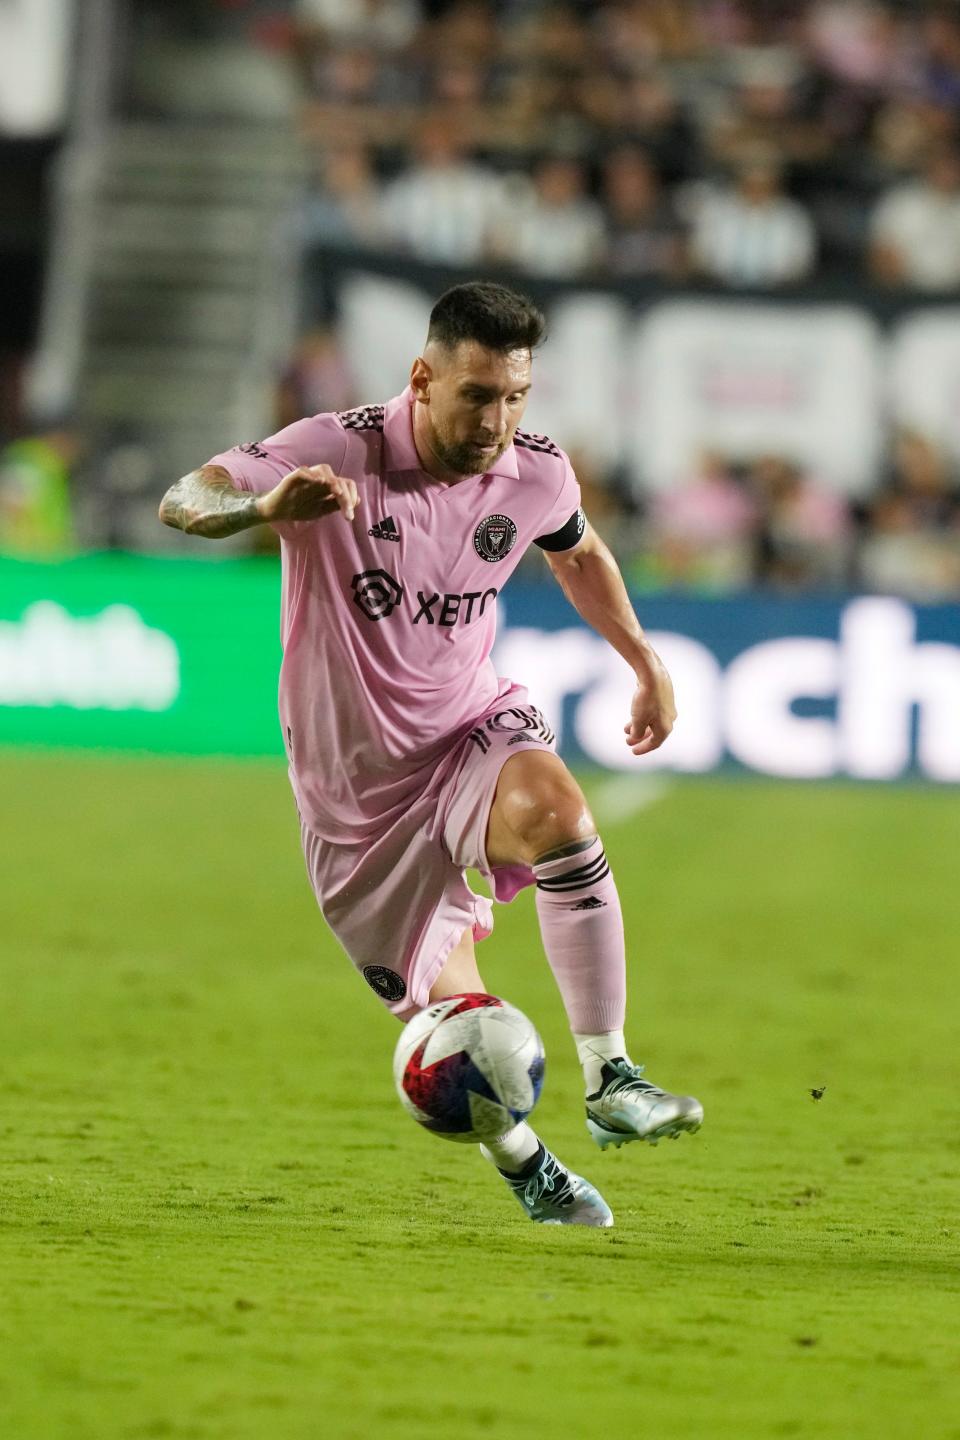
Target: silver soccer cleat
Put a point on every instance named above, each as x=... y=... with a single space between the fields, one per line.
x=552 y=1195
x=627 y=1107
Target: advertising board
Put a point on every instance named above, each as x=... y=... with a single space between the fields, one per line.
x=181 y=656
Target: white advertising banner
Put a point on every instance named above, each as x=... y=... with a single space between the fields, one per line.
x=650 y=393
x=925 y=375
x=383 y=324
x=582 y=388
x=750 y=379
x=870 y=702
x=35 y=47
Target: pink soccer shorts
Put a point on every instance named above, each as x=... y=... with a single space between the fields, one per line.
x=400 y=902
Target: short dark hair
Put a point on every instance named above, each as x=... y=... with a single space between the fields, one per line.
x=493 y=315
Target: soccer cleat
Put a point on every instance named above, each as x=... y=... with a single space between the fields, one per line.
x=553 y=1195
x=627 y=1107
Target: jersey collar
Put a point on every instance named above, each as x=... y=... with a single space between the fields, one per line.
x=400 y=453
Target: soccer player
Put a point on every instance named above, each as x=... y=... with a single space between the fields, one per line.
x=410 y=759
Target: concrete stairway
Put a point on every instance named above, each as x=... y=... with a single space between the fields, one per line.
x=171 y=305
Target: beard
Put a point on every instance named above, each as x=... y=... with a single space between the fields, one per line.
x=463 y=458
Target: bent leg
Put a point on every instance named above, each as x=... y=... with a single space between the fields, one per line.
x=538 y=808
x=541 y=818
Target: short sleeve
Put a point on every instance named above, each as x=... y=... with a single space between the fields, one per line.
x=566 y=503
x=258 y=466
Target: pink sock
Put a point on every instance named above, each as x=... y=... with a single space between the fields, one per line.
x=582 y=928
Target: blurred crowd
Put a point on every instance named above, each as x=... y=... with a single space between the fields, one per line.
x=743 y=143
x=735 y=523
x=767 y=523
x=729 y=526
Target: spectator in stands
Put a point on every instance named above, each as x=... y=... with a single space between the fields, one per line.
x=806 y=529
x=317 y=378
x=751 y=233
x=764 y=111
x=36 y=520
x=857 y=42
x=458 y=86
x=915 y=228
x=345 y=204
x=465 y=28
x=923 y=476
x=940 y=30
x=653 y=117
x=555 y=37
x=702 y=533
x=558 y=229
x=353 y=76
x=390 y=24
x=442 y=208
x=905 y=130
x=912 y=540
x=547 y=53
x=358 y=92
x=643 y=233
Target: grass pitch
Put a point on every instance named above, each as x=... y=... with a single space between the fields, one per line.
x=215 y=1220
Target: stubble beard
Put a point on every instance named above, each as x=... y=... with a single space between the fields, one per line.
x=462 y=458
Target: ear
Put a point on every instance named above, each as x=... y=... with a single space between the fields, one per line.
x=420 y=377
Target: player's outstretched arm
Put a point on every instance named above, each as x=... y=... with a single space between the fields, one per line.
x=206 y=502
x=591 y=580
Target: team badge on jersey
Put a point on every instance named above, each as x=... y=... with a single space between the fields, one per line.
x=387 y=983
x=494 y=537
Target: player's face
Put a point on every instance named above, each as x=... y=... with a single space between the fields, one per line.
x=474 y=400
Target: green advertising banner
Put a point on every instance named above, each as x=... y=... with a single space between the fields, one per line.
x=128 y=652
x=182 y=656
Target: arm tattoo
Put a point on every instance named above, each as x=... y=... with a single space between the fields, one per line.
x=206 y=503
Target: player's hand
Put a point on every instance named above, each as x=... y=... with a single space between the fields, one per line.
x=653 y=710
x=308 y=493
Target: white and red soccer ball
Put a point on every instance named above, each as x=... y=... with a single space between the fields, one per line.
x=469 y=1067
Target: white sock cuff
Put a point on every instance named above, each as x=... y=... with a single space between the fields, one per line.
x=513 y=1150
x=608 y=1046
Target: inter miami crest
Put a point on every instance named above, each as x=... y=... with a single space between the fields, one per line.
x=494 y=537
x=387 y=983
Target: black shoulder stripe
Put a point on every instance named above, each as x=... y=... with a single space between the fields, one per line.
x=541 y=443
x=362 y=417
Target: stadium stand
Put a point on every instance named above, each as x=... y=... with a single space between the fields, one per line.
x=779 y=185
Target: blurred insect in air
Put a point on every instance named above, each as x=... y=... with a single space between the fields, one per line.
x=818 y=1094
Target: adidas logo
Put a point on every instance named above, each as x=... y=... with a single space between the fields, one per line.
x=591 y=903
x=385 y=530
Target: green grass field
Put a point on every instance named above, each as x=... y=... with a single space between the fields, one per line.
x=216 y=1221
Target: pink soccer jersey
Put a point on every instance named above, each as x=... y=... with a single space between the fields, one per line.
x=388 y=621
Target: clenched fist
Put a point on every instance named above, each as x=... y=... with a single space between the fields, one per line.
x=308 y=493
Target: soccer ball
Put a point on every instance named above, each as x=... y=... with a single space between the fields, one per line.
x=469 y=1067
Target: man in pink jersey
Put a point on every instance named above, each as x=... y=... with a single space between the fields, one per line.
x=410 y=759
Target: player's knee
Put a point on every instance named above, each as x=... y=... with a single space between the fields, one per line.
x=542 y=807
